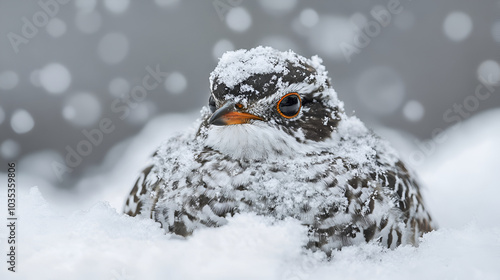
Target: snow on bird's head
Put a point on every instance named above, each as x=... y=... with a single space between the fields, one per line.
x=263 y=71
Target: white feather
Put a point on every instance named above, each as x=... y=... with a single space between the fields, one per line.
x=254 y=141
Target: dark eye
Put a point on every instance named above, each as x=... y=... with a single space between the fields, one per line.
x=211 y=104
x=289 y=105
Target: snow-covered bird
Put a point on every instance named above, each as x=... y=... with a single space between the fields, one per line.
x=274 y=140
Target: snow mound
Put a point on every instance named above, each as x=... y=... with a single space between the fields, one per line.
x=459 y=170
x=99 y=243
x=462 y=173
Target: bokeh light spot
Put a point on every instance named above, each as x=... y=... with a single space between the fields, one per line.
x=457 y=26
x=55 y=78
x=10 y=149
x=113 y=48
x=88 y=22
x=413 y=111
x=116 y=6
x=327 y=36
x=309 y=17
x=381 y=89
x=221 y=47
x=21 y=121
x=119 y=87
x=82 y=109
x=175 y=83
x=238 y=19
x=56 y=27
x=489 y=72
x=69 y=112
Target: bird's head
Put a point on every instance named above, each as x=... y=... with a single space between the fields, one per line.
x=265 y=102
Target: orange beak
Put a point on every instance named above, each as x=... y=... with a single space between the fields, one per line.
x=227 y=115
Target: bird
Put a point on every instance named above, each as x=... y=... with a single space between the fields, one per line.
x=275 y=140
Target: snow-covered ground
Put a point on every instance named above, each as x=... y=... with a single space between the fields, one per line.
x=85 y=236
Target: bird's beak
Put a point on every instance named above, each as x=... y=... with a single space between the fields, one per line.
x=229 y=114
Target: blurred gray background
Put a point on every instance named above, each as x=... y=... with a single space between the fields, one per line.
x=63 y=65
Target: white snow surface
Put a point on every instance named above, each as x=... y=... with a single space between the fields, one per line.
x=85 y=235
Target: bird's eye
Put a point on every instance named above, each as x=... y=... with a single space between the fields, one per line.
x=289 y=105
x=211 y=104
